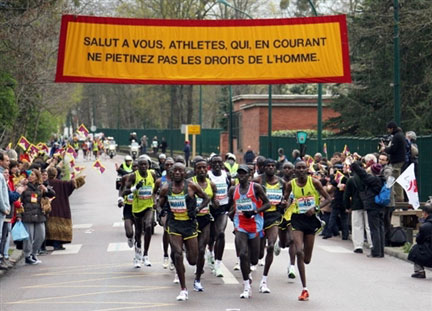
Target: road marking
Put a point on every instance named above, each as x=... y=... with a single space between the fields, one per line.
x=229 y=246
x=335 y=249
x=118 y=224
x=118 y=247
x=82 y=226
x=228 y=277
x=70 y=249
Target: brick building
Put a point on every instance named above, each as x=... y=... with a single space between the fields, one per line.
x=289 y=112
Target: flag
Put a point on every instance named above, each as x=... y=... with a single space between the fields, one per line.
x=79 y=168
x=338 y=176
x=23 y=143
x=309 y=160
x=97 y=165
x=72 y=151
x=83 y=130
x=346 y=150
x=325 y=148
x=33 y=150
x=72 y=162
x=43 y=147
x=9 y=146
x=408 y=182
x=72 y=175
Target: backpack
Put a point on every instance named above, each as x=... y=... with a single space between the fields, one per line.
x=383 y=197
x=398 y=236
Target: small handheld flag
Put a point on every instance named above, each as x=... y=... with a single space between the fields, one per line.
x=23 y=143
x=98 y=165
x=83 y=130
x=325 y=148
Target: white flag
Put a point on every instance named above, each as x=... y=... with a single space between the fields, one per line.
x=408 y=181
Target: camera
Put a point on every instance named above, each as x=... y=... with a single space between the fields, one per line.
x=386 y=139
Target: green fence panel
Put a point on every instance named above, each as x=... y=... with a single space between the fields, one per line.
x=210 y=137
x=361 y=145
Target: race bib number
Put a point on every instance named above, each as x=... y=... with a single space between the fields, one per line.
x=34 y=198
x=205 y=210
x=177 y=204
x=305 y=204
x=129 y=198
x=274 y=196
x=145 y=192
x=244 y=205
x=221 y=192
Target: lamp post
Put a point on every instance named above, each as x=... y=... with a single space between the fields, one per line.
x=397 y=112
x=200 y=119
x=319 y=104
x=269 y=146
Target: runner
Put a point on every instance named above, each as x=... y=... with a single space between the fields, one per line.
x=204 y=217
x=285 y=230
x=161 y=213
x=273 y=186
x=304 y=221
x=247 y=201
x=222 y=180
x=141 y=184
x=181 y=222
x=126 y=203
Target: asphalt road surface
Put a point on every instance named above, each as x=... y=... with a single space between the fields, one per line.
x=95 y=272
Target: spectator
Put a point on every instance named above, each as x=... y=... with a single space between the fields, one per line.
x=4 y=193
x=383 y=159
x=249 y=155
x=155 y=145
x=411 y=138
x=421 y=253
x=396 y=150
x=187 y=151
x=144 y=144
x=296 y=155
x=163 y=145
x=281 y=159
x=230 y=164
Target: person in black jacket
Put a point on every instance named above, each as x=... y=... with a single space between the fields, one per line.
x=421 y=253
x=373 y=184
x=396 y=150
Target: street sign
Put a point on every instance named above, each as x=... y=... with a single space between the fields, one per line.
x=301 y=137
x=194 y=129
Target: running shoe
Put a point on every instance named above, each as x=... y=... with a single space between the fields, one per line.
x=198 y=287
x=29 y=260
x=320 y=229
x=37 y=260
x=130 y=242
x=261 y=262
x=183 y=296
x=218 y=272
x=166 y=262
x=304 y=295
x=247 y=293
x=291 y=272
x=137 y=263
x=146 y=261
x=210 y=259
x=253 y=267
x=263 y=288
x=277 y=249
x=138 y=255
x=171 y=266
x=176 y=279
x=236 y=267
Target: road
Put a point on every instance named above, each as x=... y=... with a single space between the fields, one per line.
x=96 y=272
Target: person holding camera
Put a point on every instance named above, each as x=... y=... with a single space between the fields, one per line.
x=396 y=150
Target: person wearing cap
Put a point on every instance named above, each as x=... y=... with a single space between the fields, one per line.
x=141 y=183
x=373 y=183
x=222 y=180
x=273 y=187
x=421 y=252
x=305 y=223
x=396 y=150
x=181 y=224
x=247 y=202
x=230 y=164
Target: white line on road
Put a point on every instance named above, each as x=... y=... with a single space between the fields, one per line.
x=228 y=277
x=335 y=249
x=70 y=249
x=118 y=247
x=82 y=226
x=118 y=224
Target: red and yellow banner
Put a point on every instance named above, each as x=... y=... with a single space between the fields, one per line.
x=262 y=51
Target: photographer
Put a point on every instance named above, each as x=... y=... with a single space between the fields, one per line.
x=396 y=151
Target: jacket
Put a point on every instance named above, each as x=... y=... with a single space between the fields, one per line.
x=397 y=149
x=421 y=253
x=351 y=197
x=373 y=185
x=31 y=201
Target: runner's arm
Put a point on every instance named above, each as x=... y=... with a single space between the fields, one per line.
x=259 y=191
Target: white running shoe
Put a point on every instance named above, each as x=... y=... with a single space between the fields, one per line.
x=277 y=249
x=263 y=288
x=291 y=272
x=210 y=259
x=261 y=262
x=218 y=272
x=171 y=266
x=198 y=287
x=247 y=293
x=183 y=296
x=146 y=261
x=253 y=267
x=130 y=242
x=236 y=267
x=176 y=279
x=137 y=263
x=138 y=255
x=165 y=262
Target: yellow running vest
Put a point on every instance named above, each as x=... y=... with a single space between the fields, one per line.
x=209 y=191
x=143 y=197
x=274 y=195
x=306 y=197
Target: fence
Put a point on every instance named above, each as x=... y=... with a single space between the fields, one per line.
x=175 y=139
x=362 y=146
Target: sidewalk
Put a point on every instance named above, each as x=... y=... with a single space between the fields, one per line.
x=15 y=256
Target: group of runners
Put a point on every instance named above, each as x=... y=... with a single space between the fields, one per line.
x=194 y=207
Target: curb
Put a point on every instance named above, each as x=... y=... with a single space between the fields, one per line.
x=396 y=252
x=16 y=255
